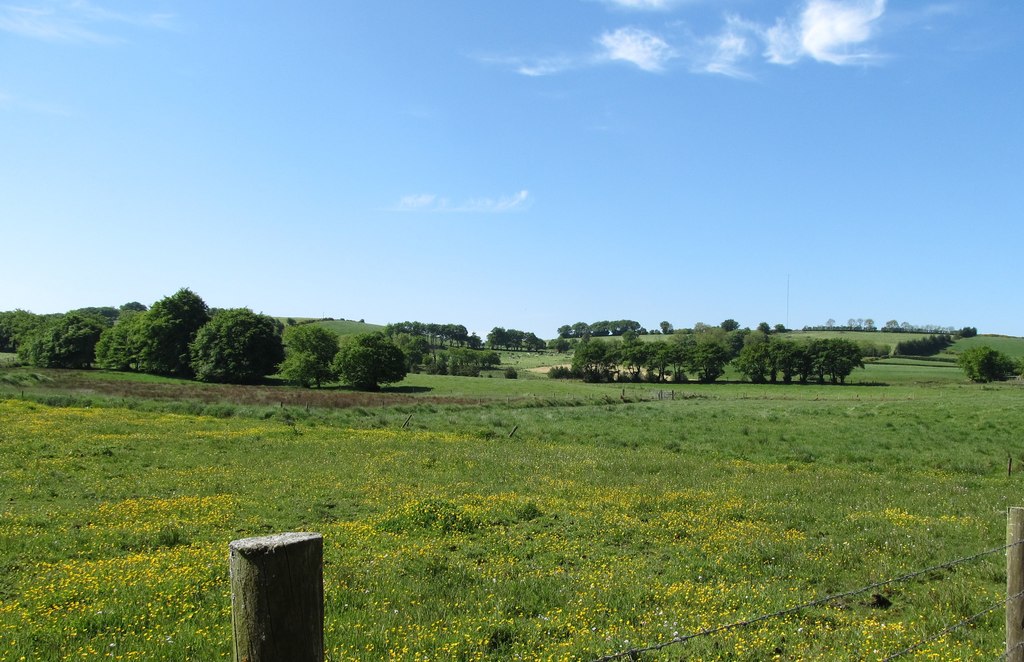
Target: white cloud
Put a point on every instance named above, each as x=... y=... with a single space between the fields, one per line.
x=645 y=50
x=724 y=52
x=831 y=28
x=419 y=202
x=77 y=20
x=830 y=31
x=782 y=43
x=540 y=66
x=642 y=4
x=429 y=202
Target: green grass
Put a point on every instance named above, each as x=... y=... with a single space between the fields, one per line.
x=599 y=525
x=1011 y=346
x=349 y=327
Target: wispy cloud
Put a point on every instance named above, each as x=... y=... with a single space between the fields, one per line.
x=72 y=21
x=724 y=53
x=9 y=102
x=830 y=31
x=429 y=202
x=642 y=48
x=657 y=5
x=540 y=66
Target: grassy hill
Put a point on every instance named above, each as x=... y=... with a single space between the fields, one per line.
x=1008 y=345
x=341 y=327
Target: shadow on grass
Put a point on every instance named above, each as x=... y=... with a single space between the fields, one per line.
x=406 y=389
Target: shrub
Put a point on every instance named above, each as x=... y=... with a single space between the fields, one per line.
x=984 y=364
x=511 y=373
x=561 y=372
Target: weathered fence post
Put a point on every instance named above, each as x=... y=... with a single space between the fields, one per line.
x=277 y=598
x=1014 y=585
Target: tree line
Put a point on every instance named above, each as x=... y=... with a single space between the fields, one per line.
x=893 y=326
x=928 y=346
x=436 y=335
x=598 y=329
x=180 y=336
x=440 y=336
x=704 y=356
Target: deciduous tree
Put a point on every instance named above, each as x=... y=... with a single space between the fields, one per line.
x=308 y=353
x=169 y=328
x=67 y=341
x=368 y=360
x=984 y=364
x=237 y=346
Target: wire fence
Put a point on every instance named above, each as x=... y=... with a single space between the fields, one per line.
x=636 y=653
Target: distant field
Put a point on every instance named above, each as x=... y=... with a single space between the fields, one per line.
x=346 y=327
x=1011 y=346
x=8 y=359
x=887 y=339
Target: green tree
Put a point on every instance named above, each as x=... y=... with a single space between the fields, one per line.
x=108 y=314
x=532 y=343
x=169 y=328
x=368 y=360
x=133 y=307
x=836 y=358
x=729 y=325
x=237 y=346
x=560 y=344
x=984 y=364
x=415 y=349
x=119 y=347
x=67 y=341
x=659 y=360
x=594 y=360
x=15 y=325
x=635 y=355
x=678 y=355
x=757 y=360
x=708 y=358
x=788 y=358
x=308 y=353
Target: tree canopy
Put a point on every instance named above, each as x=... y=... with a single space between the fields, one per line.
x=309 y=351
x=984 y=364
x=67 y=341
x=368 y=360
x=236 y=346
x=169 y=327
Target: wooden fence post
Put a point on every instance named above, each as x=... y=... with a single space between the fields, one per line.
x=1014 y=585
x=277 y=598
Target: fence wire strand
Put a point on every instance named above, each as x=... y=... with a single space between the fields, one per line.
x=634 y=653
x=956 y=626
x=1010 y=652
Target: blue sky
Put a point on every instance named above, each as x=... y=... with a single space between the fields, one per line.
x=524 y=164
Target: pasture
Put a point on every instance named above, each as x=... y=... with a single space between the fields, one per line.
x=609 y=519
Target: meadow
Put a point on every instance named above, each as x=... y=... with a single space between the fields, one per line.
x=487 y=519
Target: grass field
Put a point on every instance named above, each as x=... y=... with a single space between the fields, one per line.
x=349 y=327
x=597 y=526
x=1010 y=346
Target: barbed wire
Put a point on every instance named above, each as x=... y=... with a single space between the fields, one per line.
x=1010 y=652
x=956 y=626
x=633 y=653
